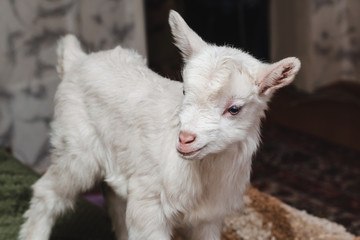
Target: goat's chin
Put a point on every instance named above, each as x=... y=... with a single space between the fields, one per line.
x=193 y=155
x=189 y=158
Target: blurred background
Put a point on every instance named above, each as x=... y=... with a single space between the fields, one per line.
x=310 y=155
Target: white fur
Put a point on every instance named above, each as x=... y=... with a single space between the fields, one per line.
x=119 y=122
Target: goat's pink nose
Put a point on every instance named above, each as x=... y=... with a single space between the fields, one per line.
x=186 y=137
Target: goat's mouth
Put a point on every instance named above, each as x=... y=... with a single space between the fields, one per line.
x=191 y=153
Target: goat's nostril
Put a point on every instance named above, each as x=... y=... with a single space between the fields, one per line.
x=186 y=137
x=190 y=140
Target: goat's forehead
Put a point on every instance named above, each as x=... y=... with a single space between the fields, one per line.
x=218 y=81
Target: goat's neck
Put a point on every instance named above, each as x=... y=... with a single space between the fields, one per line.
x=238 y=155
x=225 y=171
x=226 y=168
x=218 y=178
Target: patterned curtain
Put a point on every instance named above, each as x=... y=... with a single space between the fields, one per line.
x=324 y=34
x=29 y=31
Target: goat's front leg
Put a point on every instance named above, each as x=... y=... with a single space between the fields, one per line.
x=207 y=231
x=145 y=220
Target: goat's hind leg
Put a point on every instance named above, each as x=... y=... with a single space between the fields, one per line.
x=56 y=192
x=116 y=207
x=207 y=230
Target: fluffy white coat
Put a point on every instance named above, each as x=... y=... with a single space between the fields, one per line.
x=117 y=121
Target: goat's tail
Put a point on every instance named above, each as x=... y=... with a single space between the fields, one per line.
x=69 y=53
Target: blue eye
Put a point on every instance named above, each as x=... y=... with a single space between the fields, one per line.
x=233 y=110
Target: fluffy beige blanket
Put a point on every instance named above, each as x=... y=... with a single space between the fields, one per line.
x=266 y=218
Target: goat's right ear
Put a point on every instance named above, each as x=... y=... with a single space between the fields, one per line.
x=185 y=38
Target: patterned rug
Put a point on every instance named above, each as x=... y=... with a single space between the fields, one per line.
x=310 y=174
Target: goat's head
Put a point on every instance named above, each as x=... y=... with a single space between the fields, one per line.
x=226 y=92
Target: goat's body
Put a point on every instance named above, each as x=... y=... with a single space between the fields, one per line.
x=129 y=127
x=119 y=121
x=115 y=110
x=167 y=159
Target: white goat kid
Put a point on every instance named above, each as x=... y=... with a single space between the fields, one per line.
x=168 y=159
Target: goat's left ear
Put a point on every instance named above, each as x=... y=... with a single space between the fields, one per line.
x=277 y=75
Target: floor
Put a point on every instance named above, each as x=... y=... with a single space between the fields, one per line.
x=310 y=174
x=310 y=156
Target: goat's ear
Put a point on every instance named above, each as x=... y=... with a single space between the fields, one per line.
x=69 y=52
x=185 y=38
x=277 y=75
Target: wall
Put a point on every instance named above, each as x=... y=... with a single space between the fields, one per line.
x=29 y=31
x=325 y=35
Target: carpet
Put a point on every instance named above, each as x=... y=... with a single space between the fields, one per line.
x=310 y=174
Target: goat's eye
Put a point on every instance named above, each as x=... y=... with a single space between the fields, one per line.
x=233 y=110
x=183 y=92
